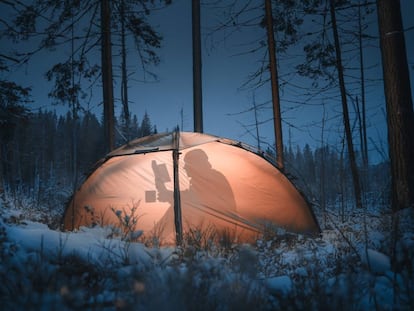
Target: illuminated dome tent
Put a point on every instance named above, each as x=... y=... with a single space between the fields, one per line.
x=172 y=182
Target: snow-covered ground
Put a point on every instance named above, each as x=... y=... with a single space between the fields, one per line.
x=350 y=267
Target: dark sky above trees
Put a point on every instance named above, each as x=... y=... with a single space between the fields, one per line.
x=226 y=67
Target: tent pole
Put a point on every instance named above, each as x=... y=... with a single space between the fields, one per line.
x=177 y=198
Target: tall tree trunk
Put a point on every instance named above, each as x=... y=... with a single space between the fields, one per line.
x=1 y=169
x=360 y=128
x=348 y=133
x=322 y=185
x=275 y=85
x=124 y=82
x=107 y=86
x=75 y=108
x=364 y=143
x=197 y=85
x=400 y=115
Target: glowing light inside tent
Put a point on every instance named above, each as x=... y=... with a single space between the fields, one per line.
x=221 y=186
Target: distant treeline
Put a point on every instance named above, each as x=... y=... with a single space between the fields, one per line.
x=324 y=175
x=46 y=151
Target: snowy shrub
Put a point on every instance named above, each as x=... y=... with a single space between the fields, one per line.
x=364 y=261
x=128 y=223
x=24 y=205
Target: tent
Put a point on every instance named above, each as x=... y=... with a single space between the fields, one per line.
x=175 y=183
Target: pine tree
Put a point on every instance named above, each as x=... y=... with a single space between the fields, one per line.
x=55 y=24
x=13 y=111
x=146 y=126
x=400 y=115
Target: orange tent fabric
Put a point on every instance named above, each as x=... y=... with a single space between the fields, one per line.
x=222 y=184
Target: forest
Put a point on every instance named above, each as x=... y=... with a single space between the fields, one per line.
x=39 y=162
x=39 y=156
x=310 y=54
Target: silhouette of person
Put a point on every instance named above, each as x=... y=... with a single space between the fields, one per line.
x=209 y=198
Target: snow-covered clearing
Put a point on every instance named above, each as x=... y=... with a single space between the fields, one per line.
x=348 y=268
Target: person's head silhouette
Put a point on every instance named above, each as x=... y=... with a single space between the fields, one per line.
x=196 y=160
x=210 y=186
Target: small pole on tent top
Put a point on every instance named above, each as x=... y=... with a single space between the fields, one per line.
x=177 y=198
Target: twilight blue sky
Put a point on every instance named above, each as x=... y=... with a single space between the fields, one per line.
x=223 y=74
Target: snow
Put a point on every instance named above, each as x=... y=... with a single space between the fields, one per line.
x=281 y=285
x=91 y=243
x=377 y=262
x=348 y=267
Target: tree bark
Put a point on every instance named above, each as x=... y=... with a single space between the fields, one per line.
x=400 y=115
x=107 y=85
x=75 y=108
x=364 y=143
x=348 y=133
x=275 y=85
x=124 y=81
x=1 y=169
x=197 y=85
